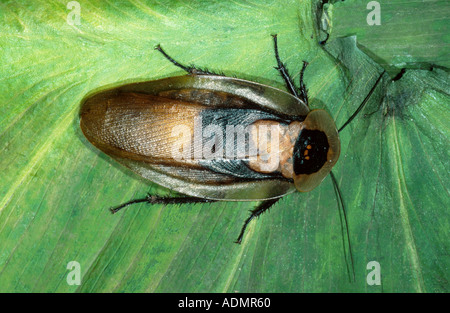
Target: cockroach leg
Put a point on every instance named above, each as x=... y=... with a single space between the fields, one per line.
x=260 y=209
x=190 y=69
x=303 y=90
x=168 y=57
x=283 y=70
x=151 y=199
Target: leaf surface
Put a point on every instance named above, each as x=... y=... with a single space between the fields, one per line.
x=56 y=188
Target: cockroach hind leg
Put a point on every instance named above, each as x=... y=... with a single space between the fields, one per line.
x=192 y=69
x=152 y=199
x=168 y=57
x=121 y=206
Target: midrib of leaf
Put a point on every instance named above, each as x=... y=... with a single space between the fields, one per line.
x=405 y=221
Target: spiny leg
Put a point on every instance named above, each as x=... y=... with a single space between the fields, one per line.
x=190 y=69
x=303 y=90
x=301 y=93
x=161 y=200
x=260 y=209
x=282 y=69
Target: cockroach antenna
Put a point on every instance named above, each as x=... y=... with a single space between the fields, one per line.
x=362 y=105
x=340 y=201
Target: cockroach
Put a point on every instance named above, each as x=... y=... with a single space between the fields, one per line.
x=217 y=138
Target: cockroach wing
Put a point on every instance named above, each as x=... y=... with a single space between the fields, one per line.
x=143 y=125
x=263 y=96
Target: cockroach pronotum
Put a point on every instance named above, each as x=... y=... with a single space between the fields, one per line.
x=217 y=138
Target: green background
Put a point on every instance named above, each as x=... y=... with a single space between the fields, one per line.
x=55 y=188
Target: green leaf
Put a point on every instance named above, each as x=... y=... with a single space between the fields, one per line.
x=56 y=188
x=397 y=34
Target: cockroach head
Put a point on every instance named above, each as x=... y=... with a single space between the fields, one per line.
x=316 y=150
